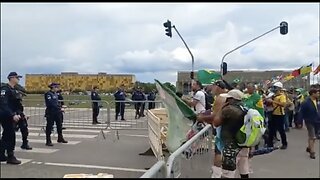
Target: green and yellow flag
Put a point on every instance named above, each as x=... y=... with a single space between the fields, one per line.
x=180 y=117
x=306 y=69
x=208 y=77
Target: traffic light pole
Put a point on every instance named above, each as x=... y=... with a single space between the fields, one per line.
x=192 y=71
x=221 y=71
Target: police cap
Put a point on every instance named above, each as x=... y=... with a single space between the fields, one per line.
x=53 y=85
x=13 y=74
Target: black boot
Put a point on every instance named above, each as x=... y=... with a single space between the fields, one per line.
x=25 y=145
x=48 y=142
x=12 y=159
x=3 y=157
x=61 y=139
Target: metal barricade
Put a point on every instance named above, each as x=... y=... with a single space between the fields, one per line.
x=77 y=115
x=134 y=114
x=158 y=170
x=195 y=155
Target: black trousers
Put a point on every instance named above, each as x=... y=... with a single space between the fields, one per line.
x=23 y=126
x=95 y=113
x=151 y=105
x=137 y=107
x=290 y=117
x=120 y=106
x=51 y=119
x=8 y=140
x=277 y=123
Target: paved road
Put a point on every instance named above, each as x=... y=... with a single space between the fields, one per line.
x=89 y=153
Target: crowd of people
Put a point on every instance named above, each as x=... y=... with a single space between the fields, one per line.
x=218 y=104
x=281 y=109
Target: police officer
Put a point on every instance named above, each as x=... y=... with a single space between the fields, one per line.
x=120 y=95
x=22 y=123
x=9 y=118
x=61 y=104
x=138 y=96
x=152 y=97
x=95 y=105
x=53 y=114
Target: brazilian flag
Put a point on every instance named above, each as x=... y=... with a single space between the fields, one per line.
x=254 y=101
x=208 y=77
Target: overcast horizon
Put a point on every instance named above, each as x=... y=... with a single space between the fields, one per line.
x=129 y=38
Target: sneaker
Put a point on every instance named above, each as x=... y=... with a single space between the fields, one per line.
x=284 y=147
x=13 y=160
x=63 y=128
x=122 y=119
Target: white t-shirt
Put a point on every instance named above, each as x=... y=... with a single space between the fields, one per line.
x=200 y=106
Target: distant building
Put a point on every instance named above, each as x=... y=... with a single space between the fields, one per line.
x=183 y=78
x=71 y=81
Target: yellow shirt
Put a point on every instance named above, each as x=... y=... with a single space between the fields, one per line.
x=279 y=110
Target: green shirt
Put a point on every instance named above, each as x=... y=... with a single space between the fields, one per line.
x=254 y=101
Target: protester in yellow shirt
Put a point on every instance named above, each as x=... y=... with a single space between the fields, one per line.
x=276 y=123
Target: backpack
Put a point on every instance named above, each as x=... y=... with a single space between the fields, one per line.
x=208 y=106
x=250 y=134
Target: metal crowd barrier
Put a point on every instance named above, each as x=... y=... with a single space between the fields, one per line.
x=196 y=151
x=158 y=170
x=78 y=114
x=192 y=159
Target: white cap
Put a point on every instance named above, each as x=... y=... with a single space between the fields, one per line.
x=234 y=93
x=278 y=84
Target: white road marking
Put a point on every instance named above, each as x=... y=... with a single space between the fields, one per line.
x=64 y=135
x=68 y=130
x=23 y=161
x=37 y=150
x=90 y=122
x=134 y=135
x=43 y=141
x=93 y=167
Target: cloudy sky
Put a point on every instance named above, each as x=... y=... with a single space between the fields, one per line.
x=130 y=37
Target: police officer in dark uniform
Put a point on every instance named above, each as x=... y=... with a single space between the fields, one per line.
x=152 y=97
x=120 y=95
x=22 y=123
x=138 y=96
x=53 y=114
x=9 y=118
x=95 y=105
x=61 y=104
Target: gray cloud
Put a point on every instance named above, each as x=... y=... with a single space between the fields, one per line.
x=129 y=37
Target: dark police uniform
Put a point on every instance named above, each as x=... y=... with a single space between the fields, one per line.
x=120 y=96
x=53 y=114
x=8 y=102
x=61 y=103
x=151 y=97
x=138 y=96
x=22 y=123
x=95 y=106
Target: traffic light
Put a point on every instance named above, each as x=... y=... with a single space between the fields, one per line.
x=168 y=27
x=283 y=28
x=224 y=68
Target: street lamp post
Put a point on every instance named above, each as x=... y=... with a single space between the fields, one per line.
x=168 y=27
x=283 y=30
